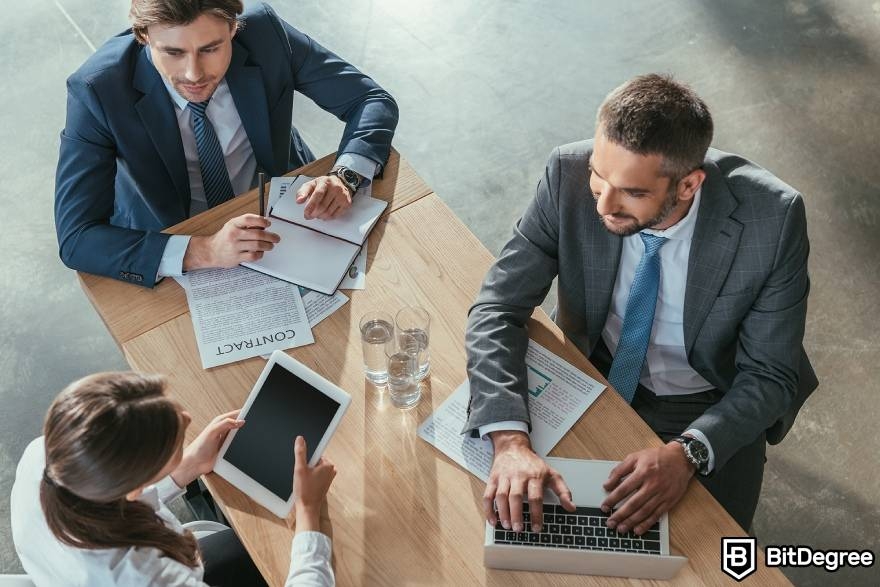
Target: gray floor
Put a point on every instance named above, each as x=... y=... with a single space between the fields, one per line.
x=486 y=90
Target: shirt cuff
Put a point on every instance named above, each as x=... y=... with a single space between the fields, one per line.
x=171 y=264
x=511 y=425
x=168 y=490
x=366 y=168
x=702 y=438
x=310 y=560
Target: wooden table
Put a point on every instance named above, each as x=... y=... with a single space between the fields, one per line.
x=403 y=513
x=140 y=309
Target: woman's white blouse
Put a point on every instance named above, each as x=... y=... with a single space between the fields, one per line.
x=50 y=562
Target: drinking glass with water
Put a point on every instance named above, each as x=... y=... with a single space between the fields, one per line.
x=402 y=386
x=377 y=339
x=413 y=325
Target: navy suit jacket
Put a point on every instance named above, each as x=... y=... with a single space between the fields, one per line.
x=122 y=176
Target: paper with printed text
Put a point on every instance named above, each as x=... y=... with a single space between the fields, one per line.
x=559 y=394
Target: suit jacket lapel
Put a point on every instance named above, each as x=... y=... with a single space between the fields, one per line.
x=713 y=248
x=249 y=94
x=157 y=114
x=602 y=251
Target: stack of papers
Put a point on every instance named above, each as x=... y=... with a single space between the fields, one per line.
x=240 y=313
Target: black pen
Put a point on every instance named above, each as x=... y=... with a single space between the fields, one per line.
x=261 y=177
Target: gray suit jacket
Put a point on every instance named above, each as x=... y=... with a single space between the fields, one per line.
x=745 y=301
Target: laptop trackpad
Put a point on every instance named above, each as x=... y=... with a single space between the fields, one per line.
x=583 y=477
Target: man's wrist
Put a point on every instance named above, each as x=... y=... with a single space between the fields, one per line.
x=350 y=178
x=507 y=439
x=337 y=167
x=198 y=253
x=681 y=452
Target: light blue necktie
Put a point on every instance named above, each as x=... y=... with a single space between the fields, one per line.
x=215 y=178
x=637 y=321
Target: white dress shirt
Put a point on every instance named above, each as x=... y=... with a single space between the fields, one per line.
x=666 y=370
x=241 y=163
x=49 y=562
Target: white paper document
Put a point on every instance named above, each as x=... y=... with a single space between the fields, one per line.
x=559 y=394
x=238 y=313
x=319 y=306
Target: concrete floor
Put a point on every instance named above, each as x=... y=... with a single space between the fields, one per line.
x=486 y=90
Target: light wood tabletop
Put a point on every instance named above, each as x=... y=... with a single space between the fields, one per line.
x=402 y=513
x=144 y=309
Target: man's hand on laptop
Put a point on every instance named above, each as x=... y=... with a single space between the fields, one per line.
x=518 y=472
x=243 y=238
x=655 y=479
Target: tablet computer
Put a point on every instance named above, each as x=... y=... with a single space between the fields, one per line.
x=288 y=400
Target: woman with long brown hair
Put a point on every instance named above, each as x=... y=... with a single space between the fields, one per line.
x=88 y=503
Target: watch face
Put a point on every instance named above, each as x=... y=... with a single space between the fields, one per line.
x=350 y=177
x=699 y=451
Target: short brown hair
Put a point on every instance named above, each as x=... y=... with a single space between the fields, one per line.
x=144 y=13
x=655 y=115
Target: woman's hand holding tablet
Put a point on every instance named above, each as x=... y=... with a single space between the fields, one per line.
x=201 y=454
x=287 y=401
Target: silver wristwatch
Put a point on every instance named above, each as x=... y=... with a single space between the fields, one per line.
x=695 y=452
x=350 y=178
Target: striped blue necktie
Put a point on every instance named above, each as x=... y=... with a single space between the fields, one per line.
x=215 y=178
x=637 y=321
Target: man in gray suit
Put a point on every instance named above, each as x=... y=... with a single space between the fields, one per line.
x=683 y=279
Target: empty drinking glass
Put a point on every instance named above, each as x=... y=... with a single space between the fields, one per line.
x=377 y=338
x=413 y=325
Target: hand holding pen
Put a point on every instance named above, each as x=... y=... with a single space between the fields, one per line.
x=243 y=238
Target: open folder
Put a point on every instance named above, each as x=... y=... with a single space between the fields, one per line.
x=315 y=253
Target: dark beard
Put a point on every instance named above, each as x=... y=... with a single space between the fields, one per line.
x=668 y=206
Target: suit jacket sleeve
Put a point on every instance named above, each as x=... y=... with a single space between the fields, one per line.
x=769 y=347
x=369 y=112
x=497 y=337
x=84 y=199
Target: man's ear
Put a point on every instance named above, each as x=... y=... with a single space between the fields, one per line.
x=234 y=27
x=690 y=183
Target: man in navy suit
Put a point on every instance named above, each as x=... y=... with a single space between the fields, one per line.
x=177 y=115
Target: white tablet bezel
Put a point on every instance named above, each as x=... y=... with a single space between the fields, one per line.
x=251 y=487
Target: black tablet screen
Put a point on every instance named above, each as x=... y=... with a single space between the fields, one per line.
x=286 y=407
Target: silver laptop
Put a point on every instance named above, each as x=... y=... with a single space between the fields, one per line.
x=579 y=542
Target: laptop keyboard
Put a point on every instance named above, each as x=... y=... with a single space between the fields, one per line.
x=582 y=529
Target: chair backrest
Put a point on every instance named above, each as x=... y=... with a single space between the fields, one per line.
x=15 y=581
x=200 y=529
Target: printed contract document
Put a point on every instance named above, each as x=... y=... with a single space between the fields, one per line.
x=239 y=313
x=559 y=394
